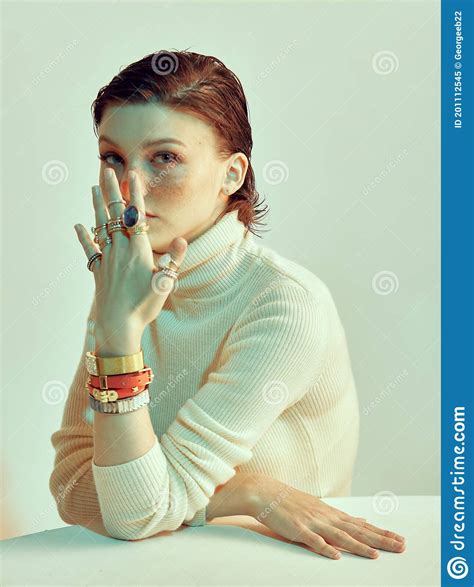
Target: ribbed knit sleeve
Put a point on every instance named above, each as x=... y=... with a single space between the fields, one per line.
x=72 y=482
x=273 y=354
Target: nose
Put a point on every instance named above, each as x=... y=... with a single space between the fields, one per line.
x=125 y=183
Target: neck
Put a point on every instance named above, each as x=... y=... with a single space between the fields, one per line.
x=213 y=260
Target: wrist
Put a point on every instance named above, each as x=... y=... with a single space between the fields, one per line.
x=239 y=496
x=253 y=495
x=117 y=342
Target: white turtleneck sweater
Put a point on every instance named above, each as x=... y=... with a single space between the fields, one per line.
x=252 y=374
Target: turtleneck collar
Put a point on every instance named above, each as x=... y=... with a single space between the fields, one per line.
x=213 y=260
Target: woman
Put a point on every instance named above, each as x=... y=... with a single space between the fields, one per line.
x=250 y=390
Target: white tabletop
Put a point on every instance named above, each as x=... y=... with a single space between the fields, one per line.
x=235 y=550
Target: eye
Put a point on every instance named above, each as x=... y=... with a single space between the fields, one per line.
x=168 y=157
x=173 y=157
x=105 y=156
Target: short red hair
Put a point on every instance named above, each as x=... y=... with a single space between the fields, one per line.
x=204 y=86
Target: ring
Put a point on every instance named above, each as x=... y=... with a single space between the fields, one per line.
x=104 y=242
x=169 y=272
x=132 y=217
x=122 y=201
x=95 y=231
x=165 y=262
x=140 y=229
x=92 y=259
x=115 y=224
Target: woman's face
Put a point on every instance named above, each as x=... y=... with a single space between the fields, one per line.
x=183 y=182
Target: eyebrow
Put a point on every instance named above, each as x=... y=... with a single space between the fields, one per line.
x=146 y=144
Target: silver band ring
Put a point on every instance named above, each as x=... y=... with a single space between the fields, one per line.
x=169 y=272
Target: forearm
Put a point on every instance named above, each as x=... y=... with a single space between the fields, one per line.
x=120 y=438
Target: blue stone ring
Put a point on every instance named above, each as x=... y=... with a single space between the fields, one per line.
x=133 y=218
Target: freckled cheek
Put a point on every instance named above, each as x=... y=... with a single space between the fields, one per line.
x=173 y=189
x=167 y=195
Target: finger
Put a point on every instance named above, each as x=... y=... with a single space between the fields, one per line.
x=347 y=517
x=178 y=250
x=318 y=544
x=101 y=214
x=87 y=244
x=340 y=538
x=341 y=514
x=371 y=538
x=383 y=532
x=137 y=200
x=114 y=202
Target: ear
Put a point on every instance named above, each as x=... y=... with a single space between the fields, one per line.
x=236 y=172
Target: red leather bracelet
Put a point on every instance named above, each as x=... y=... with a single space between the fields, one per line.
x=122 y=381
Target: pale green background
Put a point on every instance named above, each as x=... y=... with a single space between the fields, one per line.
x=322 y=110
